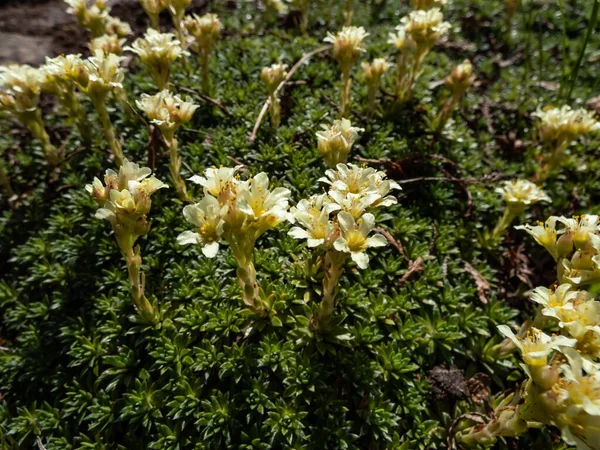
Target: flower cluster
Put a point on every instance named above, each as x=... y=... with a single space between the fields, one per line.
x=203 y=31
x=558 y=128
x=574 y=243
x=563 y=367
x=108 y=43
x=96 y=18
x=168 y=112
x=238 y=212
x=124 y=201
x=335 y=141
x=157 y=51
x=517 y=195
x=20 y=88
x=339 y=223
x=561 y=126
x=348 y=45
x=415 y=38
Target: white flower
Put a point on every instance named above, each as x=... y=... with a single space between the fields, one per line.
x=268 y=208
x=354 y=204
x=556 y=303
x=354 y=237
x=335 y=141
x=374 y=70
x=207 y=216
x=156 y=47
x=545 y=234
x=273 y=75
x=353 y=179
x=425 y=27
x=20 y=87
x=104 y=72
x=205 y=29
x=313 y=215
x=580 y=228
x=107 y=44
x=401 y=40
x=563 y=125
x=461 y=78
x=166 y=110
x=537 y=345
x=217 y=180
x=522 y=192
x=348 y=44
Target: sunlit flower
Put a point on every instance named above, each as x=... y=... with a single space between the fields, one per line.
x=217 y=181
x=266 y=208
x=521 y=193
x=544 y=234
x=21 y=86
x=207 y=216
x=157 y=51
x=127 y=192
x=107 y=44
x=579 y=228
x=461 y=78
x=348 y=44
x=313 y=216
x=167 y=111
x=335 y=141
x=536 y=346
x=555 y=302
x=401 y=40
x=104 y=73
x=205 y=29
x=561 y=126
x=374 y=70
x=353 y=179
x=273 y=75
x=355 y=238
x=425 y=27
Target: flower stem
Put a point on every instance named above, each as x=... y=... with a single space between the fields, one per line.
x=345 y=93
x=175 y=167
x=109 y=132
x=137 y=283
x=333 y=262
x=5 y=180
x=348 y=13
x=34 y=123
x=204 y=60
x=275 y=110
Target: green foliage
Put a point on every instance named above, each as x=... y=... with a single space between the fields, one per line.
x=77 y=371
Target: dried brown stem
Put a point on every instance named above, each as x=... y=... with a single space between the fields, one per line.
x=289 y=75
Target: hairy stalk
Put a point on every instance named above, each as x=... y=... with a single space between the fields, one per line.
x=243 y=252
x=408 y=82
x=504 y=222
x=109 y=132
x=333 y=262
x=274 y=110
x=137 y=281
x=34 y=123
x=556 y=157
x=445 y=113
x=175 y=167
x=345 y=93
x=75 y=109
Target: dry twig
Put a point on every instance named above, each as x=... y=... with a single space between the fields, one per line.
x=289 y=75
